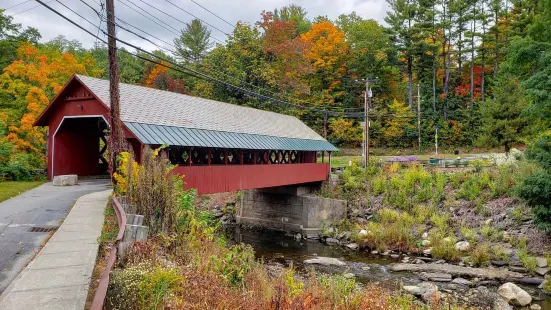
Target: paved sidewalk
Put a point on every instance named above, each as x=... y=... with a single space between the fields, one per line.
x=59 y=275
x=43 y=206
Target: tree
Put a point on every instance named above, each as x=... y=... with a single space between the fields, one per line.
x=327 y=51
x=399 y=119
x=30 y=82
x=346 y=132
x=295 y=14
x=401 y=21
x=502 y=121
x=11 y=35
x=194 y=42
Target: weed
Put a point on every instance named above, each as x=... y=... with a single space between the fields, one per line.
x=500 y=253
x=480 y=255
x=294 y=287
x=529 y=262
x=444 y=249
x=235 y=264
x=516 y=213
x=468 y=234
x=338 y=287
x=490 y=233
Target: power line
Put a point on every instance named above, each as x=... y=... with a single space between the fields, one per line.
x=194 y=17
x=176 y=33
x=217 y=69
x=34 y=7
x=11 y=7
x=185 y=22
x=187 y=70
x=213 y=14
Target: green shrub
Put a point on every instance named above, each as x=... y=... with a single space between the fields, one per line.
x=378 y=184
x=490 y=233
x=468 y=234
x=528 y=261
x=337 y=287
x=142 y=286
x=294 y=287
x=536 y=190
x=235 y=264
x=540 y=150
x=444 y=249
x=500 y=253
x=480 y=255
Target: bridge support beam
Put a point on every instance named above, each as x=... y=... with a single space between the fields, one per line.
x=289 y=208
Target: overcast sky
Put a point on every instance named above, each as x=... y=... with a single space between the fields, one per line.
x=50 y=25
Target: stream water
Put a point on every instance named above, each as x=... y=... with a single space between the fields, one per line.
x=279 y=249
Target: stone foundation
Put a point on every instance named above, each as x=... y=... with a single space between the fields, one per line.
x=289 y=208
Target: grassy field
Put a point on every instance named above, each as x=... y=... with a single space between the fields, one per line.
x=11 y=189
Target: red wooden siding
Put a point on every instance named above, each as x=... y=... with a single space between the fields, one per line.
x=76 y=148
x=220 y=179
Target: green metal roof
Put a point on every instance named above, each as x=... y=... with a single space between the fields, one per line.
x=180 y=136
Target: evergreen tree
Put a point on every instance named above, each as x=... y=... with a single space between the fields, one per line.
x=194 y=42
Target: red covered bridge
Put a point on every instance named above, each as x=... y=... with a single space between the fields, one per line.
x=219 y=147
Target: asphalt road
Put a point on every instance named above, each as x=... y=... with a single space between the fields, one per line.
x=44 y=206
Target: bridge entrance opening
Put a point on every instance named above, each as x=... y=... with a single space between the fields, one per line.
x=80 y=147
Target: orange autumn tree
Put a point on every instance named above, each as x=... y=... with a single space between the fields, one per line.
x=32 y=81
x=327 y=51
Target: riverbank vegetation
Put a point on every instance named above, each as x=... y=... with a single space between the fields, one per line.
x=497 y=208
x=186 y=263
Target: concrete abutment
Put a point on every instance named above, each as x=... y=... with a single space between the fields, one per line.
x=289 y=208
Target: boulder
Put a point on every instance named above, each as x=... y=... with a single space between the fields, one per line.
x=541 y=262
x=332 y=241
x=65 y=180
x=425 y=242
x=362 y=233
x=414 y=290
x=501 y=304
x=542 y=271
x=352 y=246
x=499 y=263
x=463 y=246
x=514 y=295
x=462 y=281
x=427 y=251
x=325 y=261
x=436 y=276
x=535 y=307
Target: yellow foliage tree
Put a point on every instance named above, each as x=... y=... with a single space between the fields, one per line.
x=33 y=80
x=400 y=117
x=346 y=132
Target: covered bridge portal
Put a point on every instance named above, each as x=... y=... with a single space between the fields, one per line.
x=219 y=147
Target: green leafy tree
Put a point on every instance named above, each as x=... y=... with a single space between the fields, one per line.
x=296 y=14
x=11 y=35
x=194 y=42
x=502 y=120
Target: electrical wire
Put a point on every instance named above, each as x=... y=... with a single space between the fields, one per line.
x=213 y=13
x=193 y=17
x=217 y=69
x=188 y=71
x=11 y=7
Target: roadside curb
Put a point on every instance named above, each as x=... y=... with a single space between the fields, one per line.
x=59 y=276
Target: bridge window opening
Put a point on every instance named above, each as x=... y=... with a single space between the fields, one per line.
x=248 y=158
x=261 y=157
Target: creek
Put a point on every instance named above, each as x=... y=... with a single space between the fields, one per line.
x=280 y=250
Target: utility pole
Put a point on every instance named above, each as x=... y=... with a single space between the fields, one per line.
x=367 y=104
x=419 y=114
x=114 y=98
x=325 y=125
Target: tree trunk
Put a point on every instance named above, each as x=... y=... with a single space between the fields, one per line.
x=496 y=48
x=410 y=81
x=473 y=29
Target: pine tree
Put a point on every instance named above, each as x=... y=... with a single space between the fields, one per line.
x=401 y=21
x=194 y=42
